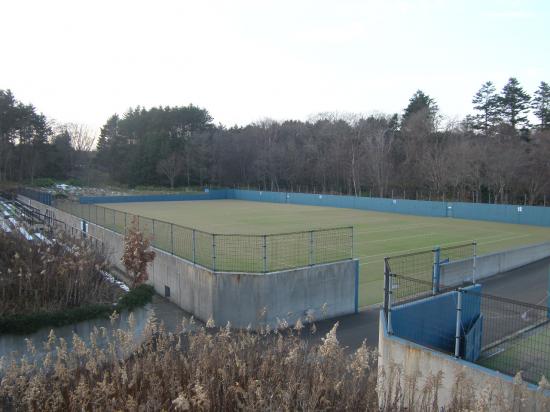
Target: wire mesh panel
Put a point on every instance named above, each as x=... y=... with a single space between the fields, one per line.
x=109 y=217
x=455 y=253
x=120 y=222
x=288 y=251
x=163 y=235
x=183 y=241
x=405 y=289
x=239 y=253
x=331 y=245
x=413 y=265
x=204 y=249
x=145 y=226
x=515 y=337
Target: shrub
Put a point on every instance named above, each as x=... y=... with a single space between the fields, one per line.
x=24 y=324
x=43 y=182
x=136 y=256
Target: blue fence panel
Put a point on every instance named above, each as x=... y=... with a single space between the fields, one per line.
x=431 y=322
x=525 y=215
x=38 y=195
x=257 y=196
x=404 y=206
x=211 y=195
x=471 y=349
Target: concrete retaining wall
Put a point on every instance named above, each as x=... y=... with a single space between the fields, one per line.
x=242 y=299
x=456 y=273
x=475 y=381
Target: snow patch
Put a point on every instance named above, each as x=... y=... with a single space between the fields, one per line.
x=112 y=279
x=25 y=233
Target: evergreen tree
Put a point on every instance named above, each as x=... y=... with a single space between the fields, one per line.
x=421 y=114
x=541 y=105
x=514 y=104
x=486 y=102
x=419 y=102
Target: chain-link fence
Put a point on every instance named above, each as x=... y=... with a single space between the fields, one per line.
x=226 y=252
x=515 y=336
x=500 y=333
x=418 y=274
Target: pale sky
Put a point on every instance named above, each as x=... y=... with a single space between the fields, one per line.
x=82 y=61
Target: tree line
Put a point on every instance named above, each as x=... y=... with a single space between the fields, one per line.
x=499 y=154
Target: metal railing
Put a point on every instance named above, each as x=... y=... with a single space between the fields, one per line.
x=226 y=252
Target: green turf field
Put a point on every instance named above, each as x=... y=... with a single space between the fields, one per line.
x=376 y=234
x=527 y=352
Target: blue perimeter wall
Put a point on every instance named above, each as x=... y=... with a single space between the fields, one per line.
x=526 y=215
x=431 y=321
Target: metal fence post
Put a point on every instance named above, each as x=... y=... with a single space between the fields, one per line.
x=352 y=241
x=386 y=286
x=265 y=253
x=214 y=252
x=436 y=267
x=194 y=246
x=172 y=237
x=125 y=222
x=458 y=322
x=311 y=246
x=474 y=263
x=390 y=292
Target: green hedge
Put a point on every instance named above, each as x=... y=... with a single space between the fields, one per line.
x=23 y=324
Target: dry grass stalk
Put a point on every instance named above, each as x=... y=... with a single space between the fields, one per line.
x=36 y=276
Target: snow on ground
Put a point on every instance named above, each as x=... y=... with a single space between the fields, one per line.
x=112 y=279
x=25 y=234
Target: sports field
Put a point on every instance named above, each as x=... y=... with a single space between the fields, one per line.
x=376 y=234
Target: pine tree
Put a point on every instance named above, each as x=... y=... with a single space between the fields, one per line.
x=514 y=104
x=541 y=105
x=421 y=107
x=486 y=102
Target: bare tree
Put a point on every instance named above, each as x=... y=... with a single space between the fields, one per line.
x=83 y=138
x=379 y=143
x=171 y=167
